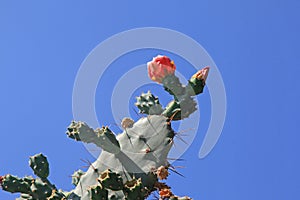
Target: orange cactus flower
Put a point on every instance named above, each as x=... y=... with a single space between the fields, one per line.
x=165 y=193
x=160 y=67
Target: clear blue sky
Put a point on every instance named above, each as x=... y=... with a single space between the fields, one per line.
x=255 y=45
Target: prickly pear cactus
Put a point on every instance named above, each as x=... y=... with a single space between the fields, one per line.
x=132 y=163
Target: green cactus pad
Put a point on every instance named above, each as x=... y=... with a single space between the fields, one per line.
x=172 y=110
x=147 y=103
x=40 y=190
x=195 y=86
x=98 y=193
x=14 y=184
x=111 y=180
x=178 y=110
x=39 y=165
x=33 y=188
x=134 y=189
x=57 y=195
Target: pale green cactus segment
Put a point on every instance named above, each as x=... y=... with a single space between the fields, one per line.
x=173 y=86
x=103 y=137
x=39 y=165
x=106 y=139
x=187 y=106
x=148 y=104
x=144 y=147
x=79 y=131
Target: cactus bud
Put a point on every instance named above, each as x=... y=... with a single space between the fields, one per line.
x=197 y=82
x=127 y=123
x=162 y=173
x=202 y=74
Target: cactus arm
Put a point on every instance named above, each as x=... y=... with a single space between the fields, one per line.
x=148 y=104
x=33 y=188
x=183 y=104
x=102 y=137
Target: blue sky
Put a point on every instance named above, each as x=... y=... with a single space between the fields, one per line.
x=255 y=45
